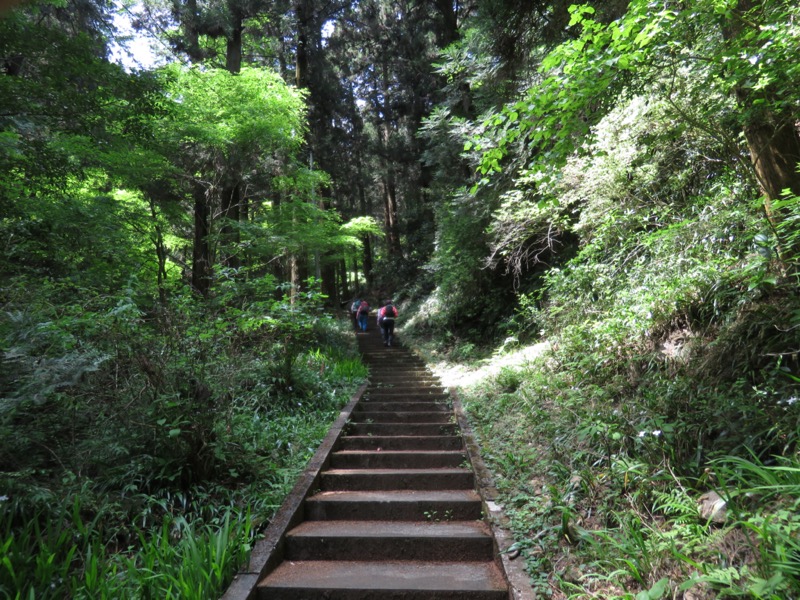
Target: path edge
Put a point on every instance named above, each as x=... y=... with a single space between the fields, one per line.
x=269 y=550
x=519 y=582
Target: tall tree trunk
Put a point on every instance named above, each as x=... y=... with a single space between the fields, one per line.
x=448 y=32
x=189 y=16
x=161 y=252
x=365 y=209
x=391 y=225
x=201 y=252
x=233 y=50
x=390 y=212
x=328 y=286
x=229 y=232
x=344 y=280
x=772 y=137
x=298 y=268
x=369 y=274
x=774 y=151
x=232 y=191
x=303 y=14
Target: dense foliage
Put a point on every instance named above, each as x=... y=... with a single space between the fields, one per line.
x=640 y=189
x=161 y=383
x=613 y=185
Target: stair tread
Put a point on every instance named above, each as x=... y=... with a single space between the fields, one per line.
x=401 y=442
x=402 y=437
x=431 y=470
x=391 y=529
x=400 y=452
x=387 y=575
x=395 y=496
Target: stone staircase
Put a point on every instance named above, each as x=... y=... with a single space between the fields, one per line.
x=396 y=515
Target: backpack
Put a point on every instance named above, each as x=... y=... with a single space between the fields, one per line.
x=363 y=309
x=355 y=306
x=389 y=312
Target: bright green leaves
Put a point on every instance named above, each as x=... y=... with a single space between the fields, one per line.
x=248 y=112
x=360 y=226
x=578 y=13
x=581 y=79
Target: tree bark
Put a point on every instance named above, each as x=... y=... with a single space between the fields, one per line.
x=345 y=284
x=161 y=252
x=201 y=252
x=390 y=211
x=772 y=138
x=391 y=225
x=448 y=32
x=775 y=152
x=233 y=50
x=303 y=13
x=365 y=209
x=229 y=232
x=369 y=275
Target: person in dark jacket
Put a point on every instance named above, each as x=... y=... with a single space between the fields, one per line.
x=386 y=316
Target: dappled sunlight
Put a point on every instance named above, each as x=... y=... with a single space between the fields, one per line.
x=457 y=375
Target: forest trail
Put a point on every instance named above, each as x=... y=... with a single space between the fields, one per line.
x=396 y=515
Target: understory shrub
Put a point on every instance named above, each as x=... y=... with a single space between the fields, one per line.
x=671 y=374
x=145 y=445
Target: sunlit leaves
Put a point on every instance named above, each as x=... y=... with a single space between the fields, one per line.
x=244 y=112
x=361 y=226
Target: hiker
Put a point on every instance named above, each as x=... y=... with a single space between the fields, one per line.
x=362 y=313
x=386 y=316
x=354 y=312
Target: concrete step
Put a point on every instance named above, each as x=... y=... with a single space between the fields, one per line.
x=397 y=479
x=384 y=366
x=394 y=459
x=384 y=580
x=400 y=442
x=397 y=368
x=406 y=394
x=394 y=505
x=402 y=406
x=384 y=429
x=410 y=397
x=380 y=356
x=426 y=385
x=390 y=379
x=409 y=392
x=389 y=540
x=385 y=416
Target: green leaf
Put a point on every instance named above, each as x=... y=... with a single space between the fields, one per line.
x=656 y=592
